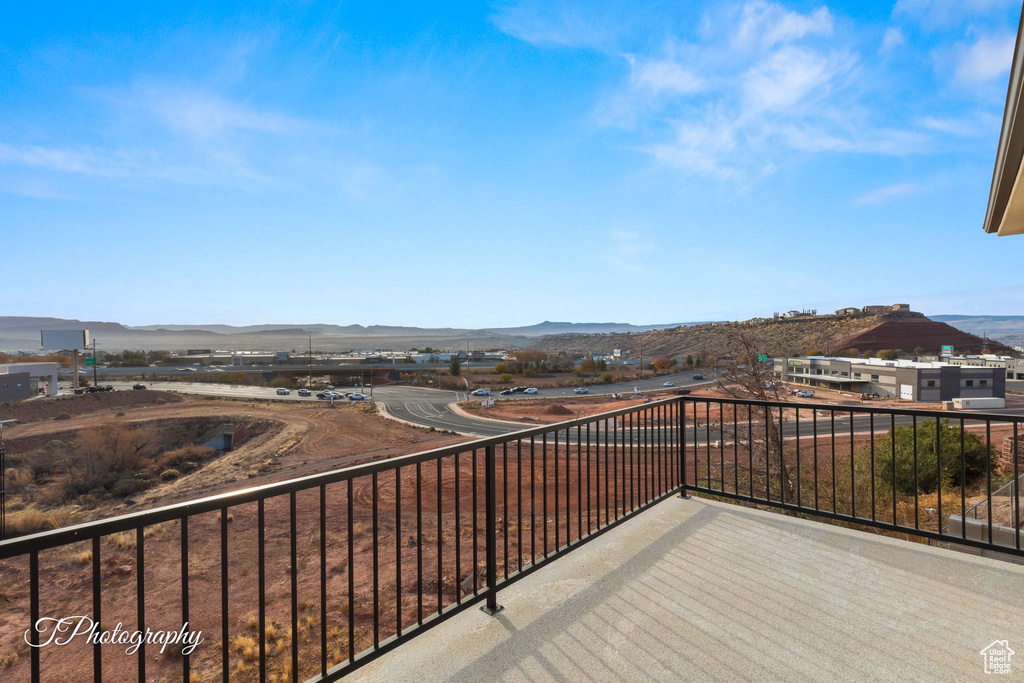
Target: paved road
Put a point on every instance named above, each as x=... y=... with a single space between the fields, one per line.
x=430 y=407
x=419 y=405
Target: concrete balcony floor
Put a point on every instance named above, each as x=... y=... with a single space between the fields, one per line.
x=701 y=590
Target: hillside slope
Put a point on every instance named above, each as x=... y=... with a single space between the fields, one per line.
x=783 y=336
x=932 y=335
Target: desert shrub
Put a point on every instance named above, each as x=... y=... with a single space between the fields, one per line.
x=927 y=480
x=26 y=521
x=126 y=486
x=160 y=401
x=185 y=458
x=63 y=416
x=606 y=377
x=169 y=474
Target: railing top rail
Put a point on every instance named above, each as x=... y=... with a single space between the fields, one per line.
x=998 y=492
x=98 y=528
x=831 y=407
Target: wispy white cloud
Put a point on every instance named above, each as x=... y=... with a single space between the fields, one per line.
x=935 y=14
x=972 y=125
x=986 y=59
x=131 y=163
x=789 y=75
x=664 y=76
x=766 y=24
x=884 y=195
x=737 y=114
x=196 y=112
x=553 y=23
x=180 y=134
x=626 y=249
x=892 y=39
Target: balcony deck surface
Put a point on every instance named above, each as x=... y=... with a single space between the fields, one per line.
x=702 y=590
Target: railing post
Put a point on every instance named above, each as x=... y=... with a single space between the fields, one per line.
x=491 y=606
x=681 y=436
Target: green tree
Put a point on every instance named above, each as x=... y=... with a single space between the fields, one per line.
x=505 y=377
x=919 y=351
x=454 y=366
x=606 y=377
x=889 y=354
x=954 y=471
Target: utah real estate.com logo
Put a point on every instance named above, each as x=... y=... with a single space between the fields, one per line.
x=997 y=657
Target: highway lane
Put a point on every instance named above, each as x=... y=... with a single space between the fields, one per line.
x=430 y=407
x=419 y=405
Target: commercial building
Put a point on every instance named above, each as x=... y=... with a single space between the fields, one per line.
x=1014 y=367
x=19 y=381
x=908 y=380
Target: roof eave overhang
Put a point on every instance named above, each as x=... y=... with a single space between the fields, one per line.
x=1005 y=212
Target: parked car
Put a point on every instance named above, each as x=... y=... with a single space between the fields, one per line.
x=669 y=384
x=805 y=393
x=507 y=392
x=531 y=390
x=581 y=390
x=283 y=392
x=481 y=392
x=356 y=396
x=698 y=377
x=139 y=386
x=305 y=392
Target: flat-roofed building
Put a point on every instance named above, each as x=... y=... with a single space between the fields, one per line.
x=908 y=380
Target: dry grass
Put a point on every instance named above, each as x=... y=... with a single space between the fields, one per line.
x=30 y=520
x=127 y=540
x=247 y=647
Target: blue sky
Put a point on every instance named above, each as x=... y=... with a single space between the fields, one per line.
x=493 y=164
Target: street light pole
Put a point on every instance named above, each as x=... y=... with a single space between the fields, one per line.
x=94 y=381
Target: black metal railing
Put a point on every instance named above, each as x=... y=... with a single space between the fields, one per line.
x=914 y=472
x=315 y=577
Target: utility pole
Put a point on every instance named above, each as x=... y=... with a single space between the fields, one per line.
x=641 y=357
x=3 y=481
x=94 y=382
x=309 y=363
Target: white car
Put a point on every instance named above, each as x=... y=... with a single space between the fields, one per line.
x=531 y=390
x=581 y=390
x=283 y=392
x=669 y=384
x=806 y=393
x=481 y=392
x=357 y=397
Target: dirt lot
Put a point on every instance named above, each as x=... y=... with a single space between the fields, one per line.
x=312 y=437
